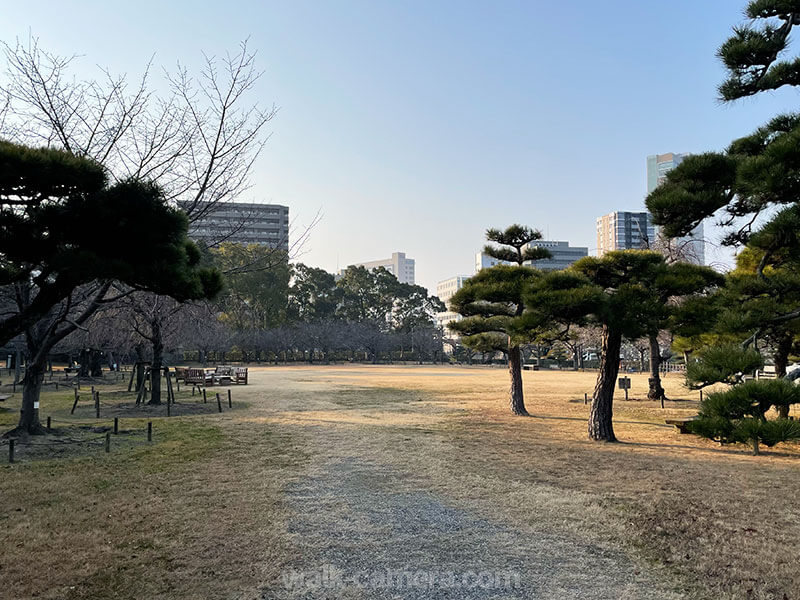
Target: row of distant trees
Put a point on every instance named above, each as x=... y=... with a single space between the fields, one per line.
x=278 y=312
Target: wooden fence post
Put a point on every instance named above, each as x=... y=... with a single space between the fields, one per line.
x=96 y=403
x=48 y=424
x=108 y=441
x=11 y=450
x=74 y=404
x=219 y=403
x=116 y=425
x=230 y=402
x=149 y=431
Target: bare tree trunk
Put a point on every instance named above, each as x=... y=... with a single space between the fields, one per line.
x=781 y=359
x=656 y=391
x=515 y=372
x=601 y=427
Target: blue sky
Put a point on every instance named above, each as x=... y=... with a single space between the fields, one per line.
x=414 y=126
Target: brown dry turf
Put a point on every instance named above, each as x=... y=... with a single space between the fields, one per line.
x=210 y=509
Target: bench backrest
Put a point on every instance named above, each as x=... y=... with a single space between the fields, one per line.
x=195 y=376
x=240 y=374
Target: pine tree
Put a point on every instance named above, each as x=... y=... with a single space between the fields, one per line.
x=66 y=237
x=627 y=293
x=757 y=172
x=491 y=302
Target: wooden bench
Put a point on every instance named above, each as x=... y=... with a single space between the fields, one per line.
x=223 y=375
x=240 y=375
x=197 y=378
x=680 y=424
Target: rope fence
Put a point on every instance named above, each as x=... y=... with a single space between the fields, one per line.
x=97 y=440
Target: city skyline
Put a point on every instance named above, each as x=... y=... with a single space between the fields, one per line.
x=420 y=126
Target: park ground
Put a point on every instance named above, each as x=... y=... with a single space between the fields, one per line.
x=367 y=470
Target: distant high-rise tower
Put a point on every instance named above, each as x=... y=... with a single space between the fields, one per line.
x=621 y=230
x=691 y=247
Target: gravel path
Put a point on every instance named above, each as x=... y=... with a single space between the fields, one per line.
x=363 y=533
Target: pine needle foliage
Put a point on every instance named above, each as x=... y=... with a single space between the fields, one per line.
x=739 y=415
x=491 y=302
x=727 y=363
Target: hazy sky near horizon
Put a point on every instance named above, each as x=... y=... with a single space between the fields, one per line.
x=413 y=126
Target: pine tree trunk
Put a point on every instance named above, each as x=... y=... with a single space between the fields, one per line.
x=656 y=391
x=781 y=359
x=515 y=372
x=157 y=365
x=600 y=417
x=31 y=390
x=18 y=366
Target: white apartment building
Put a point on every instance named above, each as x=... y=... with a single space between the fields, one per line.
x=398 y=265
x=444 y=291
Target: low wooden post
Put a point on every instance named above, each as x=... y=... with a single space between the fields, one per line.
x=149 y=431
x=48 y=424
x=96 y=404
x=662 y=401
x=116 y=425
x=701 y=395
x=230 y=402
x=204 y=395
x=108 y=441
x=56 y=386
x=585 y=398
x=74 y=404
x=219 y=403
x=11 y=450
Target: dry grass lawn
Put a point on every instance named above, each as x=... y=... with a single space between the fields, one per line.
x=202 y=512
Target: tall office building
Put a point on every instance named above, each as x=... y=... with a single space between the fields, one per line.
x=563 y=256
x=692 y=246
x=622 y=230
x=398 y=265
x=444 y=291
x=658 y=165
x=241 y=222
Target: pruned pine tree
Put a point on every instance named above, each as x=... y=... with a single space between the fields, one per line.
x=627 y=293
x=59 y=219
x=739 y=414
x=492 y=305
